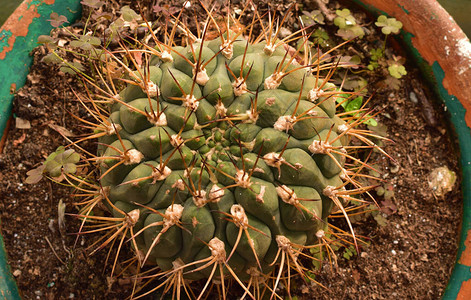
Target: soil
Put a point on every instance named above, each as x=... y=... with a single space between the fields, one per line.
x=411 y=247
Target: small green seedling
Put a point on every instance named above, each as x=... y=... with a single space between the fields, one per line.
x=376 y=55
x=386 y=190
x=312 y=18
x=92 y=3
x=57 y=20
x=321 y=37
x=86 y=42
x=388 y=25
x=344 y=18
x=71 y=68
x=348 y=27
x=397 y=70
x=57 y=163
x=353 y=106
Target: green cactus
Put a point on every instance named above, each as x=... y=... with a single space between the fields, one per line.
x=223 y=158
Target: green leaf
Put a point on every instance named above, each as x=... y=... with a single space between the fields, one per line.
x=388 y=25
x=313 y=17
x=35 y=175
x=72 y=68
x=380 y=191
x=129 y=14
x=344 y=19
x=86 y=42
x=380 y=220
x=371 y=121
x=373 y=65
x=340 y=98
x=51 y=58
x=376 y=54
x=344 y=13
x=320 y=36
x=116 y=27
x=396 y=70
x=92 y=3
x=354 y=104
x=45 y=39
x=355 y=83
x=58 y=162
x=56 y=20
x=351 y=32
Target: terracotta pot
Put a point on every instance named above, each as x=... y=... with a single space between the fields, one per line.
x=435 y=40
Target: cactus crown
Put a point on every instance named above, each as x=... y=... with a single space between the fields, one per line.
x=221 y=158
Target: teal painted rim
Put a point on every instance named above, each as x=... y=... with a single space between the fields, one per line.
x=11 y=74
x=13 y=70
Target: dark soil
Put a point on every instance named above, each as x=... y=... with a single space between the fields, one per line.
x=410 y=257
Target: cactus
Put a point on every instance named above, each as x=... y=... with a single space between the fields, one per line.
x=221 y=158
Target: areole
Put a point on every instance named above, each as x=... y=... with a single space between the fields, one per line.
x=444 y=56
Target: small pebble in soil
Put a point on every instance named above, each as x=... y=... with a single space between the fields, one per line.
x=413 y=98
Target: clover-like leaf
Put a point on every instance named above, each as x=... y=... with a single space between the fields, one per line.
x=72 y=68
x=35 y=175
x=86 y=42
x=48 y=41
x=376 y=54
x=102 y=15
x=129 y=14
x=344 y=13
x=396 y=70
x=320 y=36
x=313 y=17
x=51 y=58
x=115 y=27
x=56 y=164
x=45 y=39
x=355 y=83
x=92 y=3
x=388 y=25
x=57 y=20
x=344 y=18
x=392 y=82
x=61 y=161
x=370 y=121
x=381 y=220
x=350 y=32
x=347 y=61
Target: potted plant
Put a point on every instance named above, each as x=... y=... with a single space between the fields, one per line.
x=449 y=58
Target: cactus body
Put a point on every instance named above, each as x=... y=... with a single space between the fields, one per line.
x=226 y=149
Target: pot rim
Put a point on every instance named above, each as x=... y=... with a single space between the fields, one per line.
x=442 y=66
